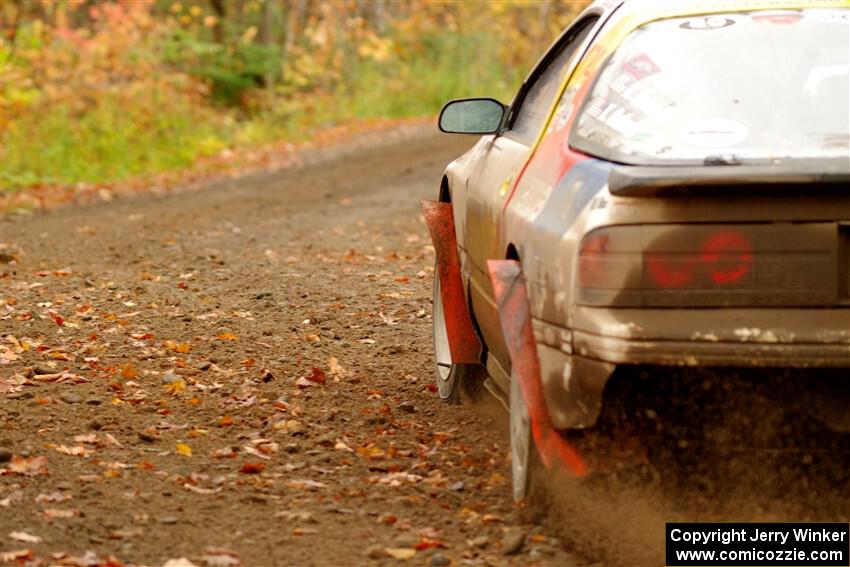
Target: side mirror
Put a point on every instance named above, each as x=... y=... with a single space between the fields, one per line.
x=472 y=116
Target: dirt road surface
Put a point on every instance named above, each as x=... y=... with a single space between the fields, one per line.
x=244 y=375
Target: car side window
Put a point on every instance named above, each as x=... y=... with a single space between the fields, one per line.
x=531 y=114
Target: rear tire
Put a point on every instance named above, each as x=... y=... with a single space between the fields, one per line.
x=522 y=443
x=528 y=474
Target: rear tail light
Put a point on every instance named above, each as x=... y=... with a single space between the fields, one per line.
x=709 y=265
x=727 y=256
x=724 y=257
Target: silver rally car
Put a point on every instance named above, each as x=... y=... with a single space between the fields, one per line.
x=670 y=187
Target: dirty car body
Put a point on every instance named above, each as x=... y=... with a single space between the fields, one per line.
x=673 y=180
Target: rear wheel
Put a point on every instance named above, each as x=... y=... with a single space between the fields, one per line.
x=521 y=442
x=528 y=474
x=451 y=378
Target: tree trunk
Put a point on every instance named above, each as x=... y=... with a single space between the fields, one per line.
x=266 y=24
x=378 y=16
x=220 y=10
x=297 y=10
x=267 y=39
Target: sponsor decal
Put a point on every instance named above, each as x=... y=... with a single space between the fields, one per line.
x=707 y=23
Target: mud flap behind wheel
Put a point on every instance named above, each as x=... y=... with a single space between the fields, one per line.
x=464 y=345
x=512 y=300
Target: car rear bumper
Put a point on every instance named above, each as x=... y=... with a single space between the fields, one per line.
x=576 y=364
x=693 y=353
x=715 y=337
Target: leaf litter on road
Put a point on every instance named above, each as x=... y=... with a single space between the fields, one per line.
x=266 y=383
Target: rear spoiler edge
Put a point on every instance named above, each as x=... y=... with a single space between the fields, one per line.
x=648 y=181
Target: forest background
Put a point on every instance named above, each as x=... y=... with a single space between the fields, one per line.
x=98 y=92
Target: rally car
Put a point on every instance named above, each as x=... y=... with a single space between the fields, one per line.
x=670 y=187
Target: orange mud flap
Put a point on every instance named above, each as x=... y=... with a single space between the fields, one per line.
x=512 y=300
x=464 y=345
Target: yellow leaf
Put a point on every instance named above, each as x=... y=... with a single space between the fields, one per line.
x=184 y=449
x=227 y=336
x=400 y=552
x=177 y=347
x=176 y=387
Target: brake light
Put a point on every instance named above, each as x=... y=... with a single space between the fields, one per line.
x=728 y=256
x=670 y=270
x=592 y=260
x=724 y=257
x=694 y=265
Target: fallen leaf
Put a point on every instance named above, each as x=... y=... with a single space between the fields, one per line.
x=28 y=466
x=112 y=440
x=14 y=384
x=175 y=388
x=128 y=371
x=227 y=336
x=335 y=369
x=304 y=484
x=53 y=513
x=179 y=562
x=225 y=421
x=182 y=348
x=428 y=543
x=16 y=555
x=24 y=537
x=52 y=497
x=76 y=451
x=252 y=468
x=400 y=552
x=57 y=318
x=199 y=490
x=220 y=558
x=317 y=375
x=252 y=451
x=184 y=449
x=224 y=453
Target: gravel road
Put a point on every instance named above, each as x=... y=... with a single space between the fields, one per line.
x=244 y=374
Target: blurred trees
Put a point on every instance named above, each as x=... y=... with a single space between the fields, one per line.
x=110 y=89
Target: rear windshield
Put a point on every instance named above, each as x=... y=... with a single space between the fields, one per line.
x=756 y=86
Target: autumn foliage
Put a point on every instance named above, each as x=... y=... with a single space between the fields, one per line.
x=102 y=91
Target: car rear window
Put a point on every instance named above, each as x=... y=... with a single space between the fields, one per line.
x=765 y=85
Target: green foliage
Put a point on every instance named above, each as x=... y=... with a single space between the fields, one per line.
x=231 y=71
x=111 y=141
